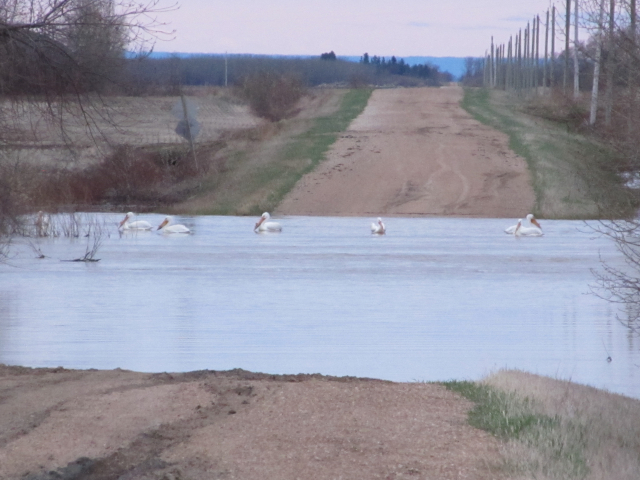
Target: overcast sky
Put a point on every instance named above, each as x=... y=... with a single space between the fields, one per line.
x=403 y=28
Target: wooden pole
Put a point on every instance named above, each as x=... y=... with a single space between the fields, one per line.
x=576 y=64
x=526 y=57
x=491 y=69
x=608 y=97
x=537 y=57
x=509 y=71
x=519 y=76
x=485 y=82
x=633 y=73
x=596 y=69
x=565 y=78
x=545 y=74
x=553 y=47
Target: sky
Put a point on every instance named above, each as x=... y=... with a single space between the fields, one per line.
x=439 y=28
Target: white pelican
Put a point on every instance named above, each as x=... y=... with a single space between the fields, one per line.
x=167 y=227
x=522 y=231
x=125 y=224
x=42 y=224
x=529 y=226
x=378 y=228
x=264 y=225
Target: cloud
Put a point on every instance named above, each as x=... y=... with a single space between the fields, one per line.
x=420 y=24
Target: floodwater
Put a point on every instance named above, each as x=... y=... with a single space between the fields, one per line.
x=434 y=299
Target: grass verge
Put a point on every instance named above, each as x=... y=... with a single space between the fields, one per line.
x=556 y=429
x=572 y=176
x=546 y=445
x=257 y=181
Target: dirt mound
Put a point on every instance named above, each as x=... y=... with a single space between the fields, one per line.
x=69 y=424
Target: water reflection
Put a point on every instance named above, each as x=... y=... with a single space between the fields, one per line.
x=433 y=299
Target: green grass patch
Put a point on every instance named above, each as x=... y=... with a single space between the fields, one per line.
x=262 y=187
x=572 y=176
x=307 y=150
x=553 y=447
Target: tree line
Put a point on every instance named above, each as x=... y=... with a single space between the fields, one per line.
x=327 y=68
x=430 y=73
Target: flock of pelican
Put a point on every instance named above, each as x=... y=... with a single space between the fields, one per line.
x=529 y=227
x=167 y=225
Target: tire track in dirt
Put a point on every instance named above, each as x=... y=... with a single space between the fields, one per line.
x=416 y=152
x=445 y=168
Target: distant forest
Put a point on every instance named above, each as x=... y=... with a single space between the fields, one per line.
x=399 y=67
x=171 y=72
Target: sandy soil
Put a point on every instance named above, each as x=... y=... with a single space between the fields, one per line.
x=57 y=423
x=416 y=152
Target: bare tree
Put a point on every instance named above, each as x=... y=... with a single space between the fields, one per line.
x=621 y=284
x=55 y=57
x=50 y=47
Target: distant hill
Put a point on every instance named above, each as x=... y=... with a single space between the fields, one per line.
x=453 y=65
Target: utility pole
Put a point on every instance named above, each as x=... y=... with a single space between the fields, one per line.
x=567 y=29
x=576 y=64
x=553 y=47
x=546 y=54
x=596 y=69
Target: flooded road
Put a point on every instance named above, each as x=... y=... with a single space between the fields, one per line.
x=434 y=299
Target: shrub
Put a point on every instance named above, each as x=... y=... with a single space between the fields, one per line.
x=272 y=96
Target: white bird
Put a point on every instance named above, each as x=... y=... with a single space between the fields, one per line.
x=42 y=224
x=378 y=228
x=125 y=224
x=167 y=226
x=522 y=231
x=528 y=227
x=264 y=225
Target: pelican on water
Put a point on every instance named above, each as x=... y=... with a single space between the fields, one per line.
x=126 y=224
x=522 y=231
x=264 y=225
x=378 y=228
x=167 y=226
x=528 y=227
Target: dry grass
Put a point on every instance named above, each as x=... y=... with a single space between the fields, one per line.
x=236 y=153
x=257 y=161
x=595 y=434
x=573 y=176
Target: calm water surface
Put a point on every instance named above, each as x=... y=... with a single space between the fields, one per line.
x=434 y=299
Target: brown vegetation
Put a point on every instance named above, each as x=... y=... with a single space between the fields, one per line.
x=142 y=176
x=272 y=96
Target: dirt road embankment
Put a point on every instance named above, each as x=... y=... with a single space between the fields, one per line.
x=72 y=425
x=416 y=152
